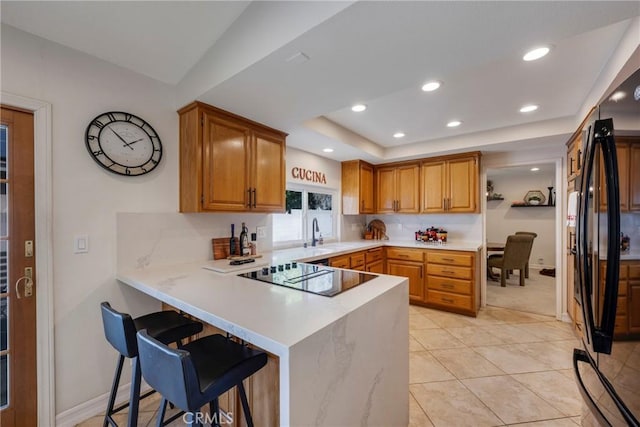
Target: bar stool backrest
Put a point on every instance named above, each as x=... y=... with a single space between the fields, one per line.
x=169 y=371
x=119 y=330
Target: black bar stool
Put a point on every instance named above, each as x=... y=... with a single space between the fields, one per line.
x=198 y=373
x=120 y=330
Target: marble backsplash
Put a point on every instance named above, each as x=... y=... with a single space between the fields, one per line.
x=461 y=227
x=146 y=239
x=630 y=226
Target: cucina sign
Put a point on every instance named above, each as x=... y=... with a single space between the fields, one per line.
x=308 y=175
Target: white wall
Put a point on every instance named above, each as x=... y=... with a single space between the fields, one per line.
x=86 y=197
x=503 y=220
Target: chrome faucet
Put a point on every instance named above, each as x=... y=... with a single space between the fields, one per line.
x=314 y=228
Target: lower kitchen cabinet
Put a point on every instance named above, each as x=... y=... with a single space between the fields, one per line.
x=262 y=389
x=414 y=271
x=451 y=281
x=627 y=321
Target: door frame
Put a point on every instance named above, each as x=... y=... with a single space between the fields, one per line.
x=44 y=249
x=561 y=188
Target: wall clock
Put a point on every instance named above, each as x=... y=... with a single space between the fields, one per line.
x=123 y=143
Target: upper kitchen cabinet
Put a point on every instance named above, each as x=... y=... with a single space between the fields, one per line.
x=357 y=188
x=450 y=184
x=398 y=188
x=575 y=149
x=628 y=153
x=229 y=163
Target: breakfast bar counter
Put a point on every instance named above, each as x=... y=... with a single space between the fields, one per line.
x=343 y=360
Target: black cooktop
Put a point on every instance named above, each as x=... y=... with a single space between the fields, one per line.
x=316 y=279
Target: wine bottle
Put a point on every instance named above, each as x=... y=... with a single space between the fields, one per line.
x=232 y=241
x=244 y=241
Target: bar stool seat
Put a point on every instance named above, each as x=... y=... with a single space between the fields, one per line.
x=198 y=373
x=120 y=331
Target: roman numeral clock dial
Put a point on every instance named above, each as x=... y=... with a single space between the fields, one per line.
x=123 y=143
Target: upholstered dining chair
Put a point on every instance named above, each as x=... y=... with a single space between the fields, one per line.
x=530 y=233
x=514 y=257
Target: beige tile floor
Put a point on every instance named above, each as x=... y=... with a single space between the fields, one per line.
x=503 y=367
x=538 y=295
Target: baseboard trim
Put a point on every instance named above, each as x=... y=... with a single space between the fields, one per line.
x=94 y=407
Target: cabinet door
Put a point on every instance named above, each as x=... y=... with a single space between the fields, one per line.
x=268 y=173
x=366 y=189
x=634 y=306
x=376 y=267
x=634 y=178
x=433 y=186
x=414 y=272
x=225 y=165
x=386 y=180
x=408 y=189
x=622 y=152
x=462 y=186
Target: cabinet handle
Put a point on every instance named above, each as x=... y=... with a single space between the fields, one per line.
x=249 y=197
x=578 y=160
x=254 y=197
x=403 y=256
x=448 y=272
x=448 y=259
x=421 y=272
x=447 y=285
x=447 y=300
x=397 y=205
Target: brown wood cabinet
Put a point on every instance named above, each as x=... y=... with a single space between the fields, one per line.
x=628 y=308
x=341 y=261
x=450 y=281
x=634 y=176
x=408 y=263
x=575 y=148
x=357 y=188
x=450 y=184
x=229 y=163
x=398 y=188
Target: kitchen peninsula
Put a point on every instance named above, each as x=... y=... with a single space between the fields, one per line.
x=341 y=360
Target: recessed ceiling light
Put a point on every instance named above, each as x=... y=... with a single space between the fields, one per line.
x=431 y=86
x=358 y=108
x=536 y=53
x=617 y=96
x=528 y=108
x=398 y=135
x=328 y=150
x=454 y=123
x=535 y=169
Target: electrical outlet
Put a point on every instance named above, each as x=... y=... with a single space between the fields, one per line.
x=262 y=232
x=540 y=261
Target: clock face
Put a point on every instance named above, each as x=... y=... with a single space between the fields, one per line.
x=123 y=143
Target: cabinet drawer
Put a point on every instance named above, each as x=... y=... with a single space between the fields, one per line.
x=445 y=257
x=373 y=255
x=634 y=271
x=357 y=260
x=405 y=254
x=449 y=300
x=340 y=262
x=624 y=270
x=449 y=285
x=448 y=271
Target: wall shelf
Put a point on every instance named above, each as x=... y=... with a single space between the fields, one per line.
x=489 y=199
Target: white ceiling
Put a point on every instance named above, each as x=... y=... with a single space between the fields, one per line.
x=234 y=55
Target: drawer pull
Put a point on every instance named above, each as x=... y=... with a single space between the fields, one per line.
x=448 y=272
x=448 y=259
x=447 y=300
x=403 y=256
x=447 y=285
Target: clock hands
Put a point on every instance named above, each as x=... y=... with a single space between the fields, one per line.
x=126 y=144
x=121 y=139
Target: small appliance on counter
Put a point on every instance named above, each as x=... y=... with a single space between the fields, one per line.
x=432 y=235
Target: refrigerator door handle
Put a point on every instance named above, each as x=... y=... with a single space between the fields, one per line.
x=584 y=357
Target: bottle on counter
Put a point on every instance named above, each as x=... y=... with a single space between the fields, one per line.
x=244 y=241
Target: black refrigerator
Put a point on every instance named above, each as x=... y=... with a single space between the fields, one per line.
x=607 y=367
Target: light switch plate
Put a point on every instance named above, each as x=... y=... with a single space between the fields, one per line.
x=262 y=232
x=81 y=244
